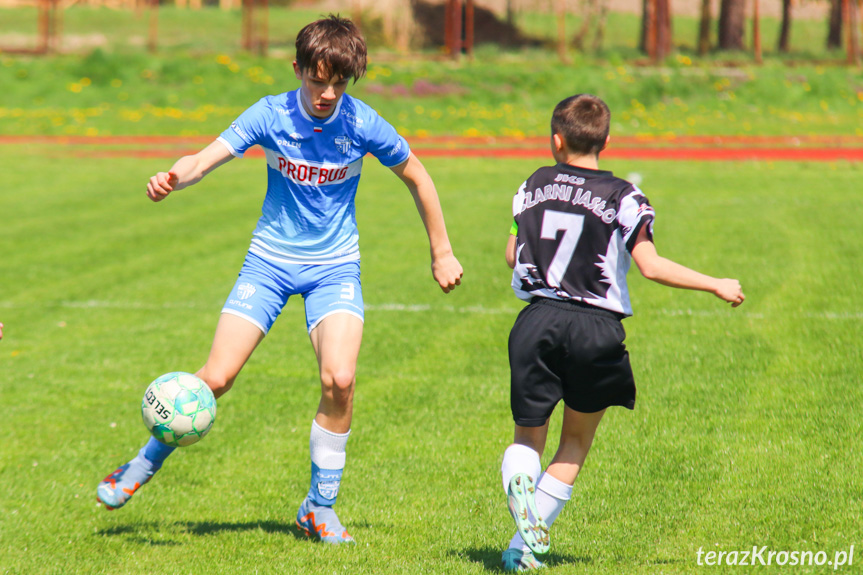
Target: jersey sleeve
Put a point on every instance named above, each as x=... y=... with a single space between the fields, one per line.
x=635 y=212
x=249 y=129
x=384 y=142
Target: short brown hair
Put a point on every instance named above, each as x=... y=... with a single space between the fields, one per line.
x=333 y=45
x=583 y=122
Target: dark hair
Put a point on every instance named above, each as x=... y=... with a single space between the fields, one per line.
x=333 y=45
x=583 y=122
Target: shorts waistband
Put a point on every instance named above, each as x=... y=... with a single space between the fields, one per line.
x=578 y=306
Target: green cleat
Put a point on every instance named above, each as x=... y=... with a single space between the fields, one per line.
x=520 y=560
x=529 y=524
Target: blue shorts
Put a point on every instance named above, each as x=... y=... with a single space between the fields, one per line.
x=264 y=286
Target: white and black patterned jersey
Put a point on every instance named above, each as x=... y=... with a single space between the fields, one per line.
x=575 y=228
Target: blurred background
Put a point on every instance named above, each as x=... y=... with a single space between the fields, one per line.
x=737 y=29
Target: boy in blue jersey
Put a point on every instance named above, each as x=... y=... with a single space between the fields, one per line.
x=305 y=243
x=576 y=229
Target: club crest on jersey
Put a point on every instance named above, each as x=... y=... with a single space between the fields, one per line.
x=245 y=290
x=343 y=144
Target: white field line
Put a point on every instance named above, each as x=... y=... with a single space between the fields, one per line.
x=429 y=308
x=139 y=305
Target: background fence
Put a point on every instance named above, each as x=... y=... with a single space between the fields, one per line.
x=824 y=30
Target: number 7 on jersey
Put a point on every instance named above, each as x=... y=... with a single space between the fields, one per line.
x=572 y=226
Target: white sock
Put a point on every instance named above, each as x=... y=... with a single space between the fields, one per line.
x=327 y=451
x=519 y=459
x=551 y=497
x=327 y=448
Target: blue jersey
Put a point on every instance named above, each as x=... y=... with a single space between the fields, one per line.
x=313 y=169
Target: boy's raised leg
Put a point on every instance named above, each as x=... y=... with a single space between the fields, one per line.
x=116 y=489
x=235 y=340
x=520 y=469
x=530 y=525
x=552 y=493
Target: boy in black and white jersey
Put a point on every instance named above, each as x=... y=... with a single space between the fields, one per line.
x=575 y=232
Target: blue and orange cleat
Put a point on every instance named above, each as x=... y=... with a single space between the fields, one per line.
x=116 y=489
x=321 y=523
x=529 y=524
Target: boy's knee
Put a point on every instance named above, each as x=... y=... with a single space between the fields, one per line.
x=339 y=383
x=218 y=383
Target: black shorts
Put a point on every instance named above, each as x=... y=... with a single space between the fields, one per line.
x=570 y=351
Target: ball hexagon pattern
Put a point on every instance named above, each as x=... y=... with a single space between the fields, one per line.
x=178 y=408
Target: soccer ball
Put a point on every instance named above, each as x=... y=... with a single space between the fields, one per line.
x=178 y=408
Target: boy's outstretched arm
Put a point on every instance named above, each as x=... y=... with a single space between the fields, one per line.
x=446 y=269
x=662 y=270
x=188 y=170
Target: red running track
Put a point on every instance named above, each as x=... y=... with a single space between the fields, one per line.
x=694 y=148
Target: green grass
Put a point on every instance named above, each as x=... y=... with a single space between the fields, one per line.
x=746 y=431
x=496 y=95
x=200 y=81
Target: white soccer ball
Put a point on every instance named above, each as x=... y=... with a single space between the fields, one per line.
x=179 y=409
x=634 y=178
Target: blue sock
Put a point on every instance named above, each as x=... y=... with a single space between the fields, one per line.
x=325 y=485
x=156 y=452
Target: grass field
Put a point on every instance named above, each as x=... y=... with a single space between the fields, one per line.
x=199 y=82
x=506 y=95
x=746 y=432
